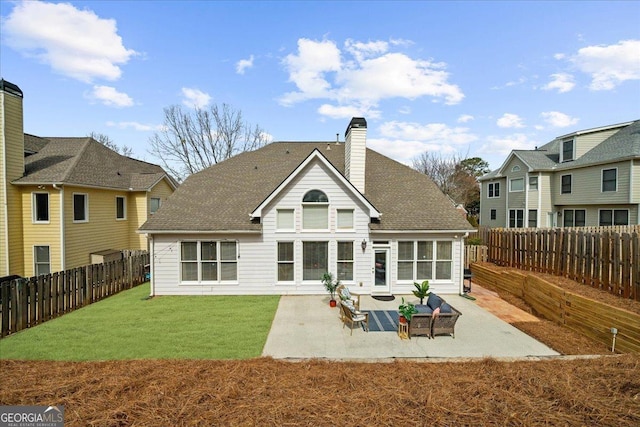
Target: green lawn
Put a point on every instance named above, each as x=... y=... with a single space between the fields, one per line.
x=130 y=326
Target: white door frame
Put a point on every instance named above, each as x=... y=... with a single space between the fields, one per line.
x=385 y=287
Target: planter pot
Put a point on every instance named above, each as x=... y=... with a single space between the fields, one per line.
x=332 y=303
x=402 y=319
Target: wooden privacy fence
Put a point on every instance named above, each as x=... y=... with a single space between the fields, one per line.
x=28 y=302
x=603 y=259
x=475 y=253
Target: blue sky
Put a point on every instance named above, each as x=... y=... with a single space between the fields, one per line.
x=455 y=78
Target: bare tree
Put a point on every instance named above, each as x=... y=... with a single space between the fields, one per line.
x=193 y=140
x=108 y=142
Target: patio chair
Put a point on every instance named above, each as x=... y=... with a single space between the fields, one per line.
x=345 y=295
x=353 y=316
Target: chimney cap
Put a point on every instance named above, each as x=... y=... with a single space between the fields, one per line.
x=356 y=122
x=9 y=87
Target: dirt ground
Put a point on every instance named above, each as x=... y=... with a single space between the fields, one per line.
x=577 y=390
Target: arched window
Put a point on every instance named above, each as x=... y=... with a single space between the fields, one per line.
x=315 y=211
x=315 y=196
x=516 y=168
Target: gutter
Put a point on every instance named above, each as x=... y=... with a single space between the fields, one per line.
x=150 y=232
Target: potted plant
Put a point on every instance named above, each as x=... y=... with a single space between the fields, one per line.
x=406 y=310
x=422 y=290
x=330 y=285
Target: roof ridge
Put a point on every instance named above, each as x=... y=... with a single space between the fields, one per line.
x=76 y=158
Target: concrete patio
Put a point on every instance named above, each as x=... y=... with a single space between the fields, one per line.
x=306 y=327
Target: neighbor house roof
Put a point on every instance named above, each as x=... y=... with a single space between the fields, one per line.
x=85 y=162
x=222 y=197
x=623 y=145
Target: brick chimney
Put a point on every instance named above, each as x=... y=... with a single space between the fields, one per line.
x=355 y=152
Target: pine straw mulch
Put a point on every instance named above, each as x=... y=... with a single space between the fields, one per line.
x=603 y=391
x=558 y=337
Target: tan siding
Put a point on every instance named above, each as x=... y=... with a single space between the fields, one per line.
x=140 y=211
x=586 y=186
x=36 y=234
x=586 y=142
x=101 y=232
x=635 y=185
x=545 y=187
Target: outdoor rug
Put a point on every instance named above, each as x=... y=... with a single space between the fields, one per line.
x=383 y=321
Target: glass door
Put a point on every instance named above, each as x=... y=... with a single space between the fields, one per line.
x=380 y=271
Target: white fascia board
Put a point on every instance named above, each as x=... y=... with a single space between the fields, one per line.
x=315 y=154
x=469 y=230
x=150 y=232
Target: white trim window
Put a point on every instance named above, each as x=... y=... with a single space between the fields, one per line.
x=609 y=180
x=286 y=262
x=493 y=190
x=285 y=219
x=345 y=261
x=41 y=260
x=533 y=218
x=567 y=150
x=315 y=260
x=574 y=217
x=40 y=203
x=533 y=183
x=416 y=261
x=208 y=261
x=516 y=218
x=154 y=205
x=315 y=211
x=344 y=219
x=80 y=207
x=515 y=168
x=516 y=185
x=613 y=217
x=121 y=208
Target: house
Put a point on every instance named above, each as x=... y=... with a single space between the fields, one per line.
x=273 y=220
x=64 y=199
x=585 y=178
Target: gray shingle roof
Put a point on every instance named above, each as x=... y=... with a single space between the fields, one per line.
x=222 y=196
x=85 y=162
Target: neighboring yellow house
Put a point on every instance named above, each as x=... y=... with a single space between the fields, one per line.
x=64 y=199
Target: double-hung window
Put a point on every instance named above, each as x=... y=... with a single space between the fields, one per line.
x=80 y=207
x=315 y=211
x=567 y=150
x=345 y=261
x=533 y=183
x=41 y=207
x=416 y=260
x=41 y=260
x=286 y=264
x=574 y=217
x=121 y=208
x=609 y=180
x=516 y=218
x=493 y=190
x=533 y=218
x=614 y=217
x=565 y=187
x=208 y=261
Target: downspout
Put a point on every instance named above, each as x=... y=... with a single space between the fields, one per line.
x=62 y=239
x=152 y=262
x=461 y=287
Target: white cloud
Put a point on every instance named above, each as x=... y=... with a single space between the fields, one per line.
x=559 y=56
x=405 y=109
x=135 y=126
x=195 y=98
x=363 y=73
x=502 y=145
x=347 y=111
x=609 y=66
x=562 y=82
x=465 y=118
x=243 y=64
x=75 y=43
x=109 y=96
x=557 y=119
x=509 y=120
x=439 y=133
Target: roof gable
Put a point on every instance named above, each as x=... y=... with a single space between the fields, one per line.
x=314 y=156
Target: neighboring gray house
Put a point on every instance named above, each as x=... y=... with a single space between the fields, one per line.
x=586 y=178
x=272 y=221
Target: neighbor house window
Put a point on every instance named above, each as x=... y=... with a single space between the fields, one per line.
x=285 y=219
x=41 y=207
x=533 y=183
x=574 y=217
x=416 y=261
x=533 y=218
x=566 y=184
x=567 y=150
x=120 y=208
x=516 y=218
x=315 y=260
x=154 y=204
x=315 y=211
x=41 y=260
x=285 y=262
x=614 y=217
x=516 y=184
x=609 y=180
x=208 y=261
x=493 y=190
x=345 y=219
x=80 y=207
x=494 y=214
x=345 y=260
